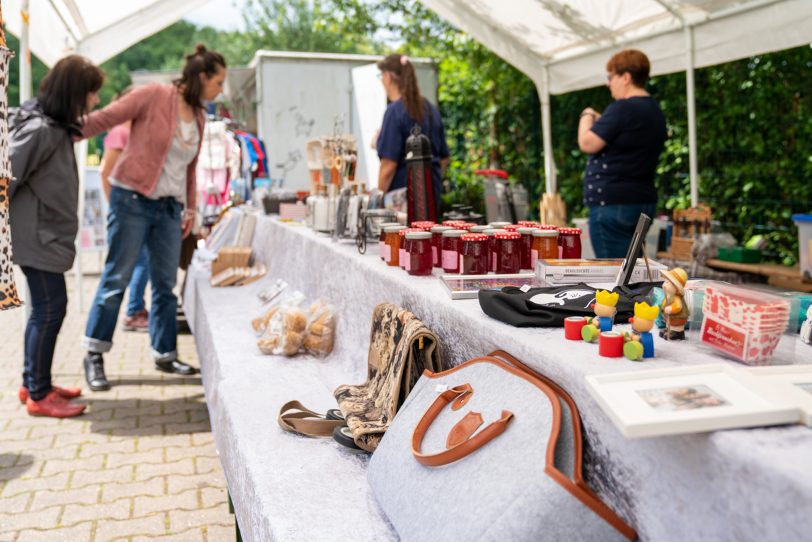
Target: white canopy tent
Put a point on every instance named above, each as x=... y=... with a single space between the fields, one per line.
x=564 y=45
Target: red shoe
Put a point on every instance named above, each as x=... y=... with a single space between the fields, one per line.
x=137 y=322
x=65 y=393
x=53 y=406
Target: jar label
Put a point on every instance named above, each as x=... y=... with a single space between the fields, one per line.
x=402 y=258
x=560 y=251
x=434 y=255
x=461 y=267
x=493 y=261
x=534 y=257
x=386 y=252
x=450 y=259
x=407 y=261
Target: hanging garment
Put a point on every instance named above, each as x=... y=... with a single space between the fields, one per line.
x=8 y=289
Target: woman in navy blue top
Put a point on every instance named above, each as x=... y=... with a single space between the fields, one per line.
x=624 y=145
x=406 y=109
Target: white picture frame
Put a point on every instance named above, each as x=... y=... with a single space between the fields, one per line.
x=794 y=382
x=658 y=402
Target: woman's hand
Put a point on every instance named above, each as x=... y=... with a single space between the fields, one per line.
x=186 y=222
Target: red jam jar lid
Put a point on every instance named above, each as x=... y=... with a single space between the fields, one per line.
x=529 y=223
x=511 y=227
x=393 y=229
x=418 y=235
x=545 y=233
x=454 y=233
x=474 y=237
x=507 y=235
x=424 y=225
x=404 y=231
x=525 y=230
x=550 y=227
x=441 y=229
x=467 y=225
x=576 y=231
x=491 y=231
x=452 y=223
x=499 y=225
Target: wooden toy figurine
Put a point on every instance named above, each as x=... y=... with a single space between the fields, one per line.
x=605 y=310
x=641 y=342
x=675 y=311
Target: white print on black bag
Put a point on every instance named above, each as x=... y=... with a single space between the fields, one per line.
x=561 y=298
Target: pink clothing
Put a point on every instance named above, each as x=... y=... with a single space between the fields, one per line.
x=153 y=109
x=117 y=138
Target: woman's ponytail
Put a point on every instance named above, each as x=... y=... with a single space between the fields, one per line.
x=406 y=78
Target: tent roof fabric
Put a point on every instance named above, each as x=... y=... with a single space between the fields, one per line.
x=98 y=29
x=573 y=39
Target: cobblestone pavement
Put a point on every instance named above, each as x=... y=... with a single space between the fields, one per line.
x=140 y=464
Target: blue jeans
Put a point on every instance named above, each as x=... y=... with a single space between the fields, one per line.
x=138 y=283
x=135 y=221
x=611 y=227
x=49 y=301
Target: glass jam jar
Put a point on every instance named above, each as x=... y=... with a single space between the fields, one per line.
x=419 y=256
x=392 y=244
x=423 y=225
x=382 y=238
x=474 y=256
x=403 y=252
x=498 y=225
x=527 y=246
x=569 y=243
x=450 y=255
x=490 y=232
x=437 y=244
x=508 y=252
x=545 y=246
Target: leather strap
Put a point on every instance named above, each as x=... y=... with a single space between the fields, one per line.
x=296 y=418
x=463 y=449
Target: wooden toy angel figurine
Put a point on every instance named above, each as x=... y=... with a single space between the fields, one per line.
x=605 y=309
x=675 y=311
x=641 y=342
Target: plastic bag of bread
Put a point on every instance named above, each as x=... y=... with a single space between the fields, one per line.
x=321 y=326
x=285 y=332
x=260 y=323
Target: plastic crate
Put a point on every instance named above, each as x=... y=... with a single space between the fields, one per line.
x=739 y=255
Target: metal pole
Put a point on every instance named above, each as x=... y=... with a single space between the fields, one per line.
x=25 y=54
x=547 y=133
x=80 y=150
x=689 y=88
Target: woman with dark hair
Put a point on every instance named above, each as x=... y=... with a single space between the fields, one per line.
x=406 y=109
x=43 y=217
x=152 y=203
x=624 y=145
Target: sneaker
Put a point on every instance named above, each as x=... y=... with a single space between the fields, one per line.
x=65 y=393
x=137 y=322
x=94 y=372
x=53 y=405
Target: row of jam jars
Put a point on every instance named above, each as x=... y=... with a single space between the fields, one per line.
x=450 y=255
x=475 y=254
x=382 y=238
x=419 y=255
x=437 y=244
x=403 y=253
x=391 y=249
x=569 y=243
x=545 y=246
x=508 y=252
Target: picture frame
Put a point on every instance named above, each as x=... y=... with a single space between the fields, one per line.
x=635 y=248
x=794 y=382
x=468 y=286
x=694 y=399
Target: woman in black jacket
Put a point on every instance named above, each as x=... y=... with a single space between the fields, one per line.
x=43 y=216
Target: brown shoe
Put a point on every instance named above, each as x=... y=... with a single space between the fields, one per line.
x=65 y=393
x=53 y=406
x=137 y=322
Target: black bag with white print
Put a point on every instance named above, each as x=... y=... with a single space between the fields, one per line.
x=548 y=307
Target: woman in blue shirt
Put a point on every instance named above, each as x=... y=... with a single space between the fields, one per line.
x=406 y=109
x=624 y=145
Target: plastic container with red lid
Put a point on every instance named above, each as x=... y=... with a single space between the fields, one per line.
x=508 y=252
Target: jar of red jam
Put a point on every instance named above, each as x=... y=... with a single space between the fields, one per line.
x=545 y=246
x=423 y=225
x=527 y=246
x=450 y=256
x=498 y=225
x=403 y=253
x=492 y=246
x=382 y=238
x=508 y=252
x=437 y=244
x=479 y=229
x=420 y=260
x=475 y=254
x=569 y=243
x=391 y=250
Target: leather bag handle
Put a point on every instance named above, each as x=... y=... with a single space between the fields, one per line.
x=465 y=448
x=296 y=418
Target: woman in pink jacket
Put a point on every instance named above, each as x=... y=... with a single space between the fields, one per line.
x=152 y=203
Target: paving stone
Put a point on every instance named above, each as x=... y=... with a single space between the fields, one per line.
x=212 y=496
x=182 y=519
x=47 y=498
x=41 y=519
x=69 y=534
x=114 y=491
x=108 y=530
x=27 y=484
x=76 y=513
x=191 y=535
x=186 y=500
x=145 y=471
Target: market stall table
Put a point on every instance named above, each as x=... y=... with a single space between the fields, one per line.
x=728 y=485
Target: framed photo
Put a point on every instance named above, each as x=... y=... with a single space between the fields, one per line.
x=468 y=286
x=650 y=403
x=793 y=382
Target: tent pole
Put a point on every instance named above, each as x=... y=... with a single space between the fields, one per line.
x=80 y=150
x=691 y=102
x=547 y=134
x=25 y=54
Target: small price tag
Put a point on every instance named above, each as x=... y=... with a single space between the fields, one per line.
x=525 y=288
x=440 y=388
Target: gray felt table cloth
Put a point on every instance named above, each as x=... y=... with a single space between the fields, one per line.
x=732 y=485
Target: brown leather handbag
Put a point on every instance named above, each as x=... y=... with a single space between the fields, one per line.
x=497 y=449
